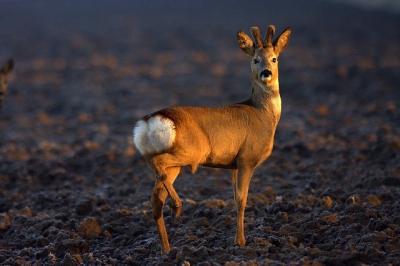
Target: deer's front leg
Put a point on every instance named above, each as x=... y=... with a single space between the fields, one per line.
x=234 y=181
x=157 y=201
x=242 y=188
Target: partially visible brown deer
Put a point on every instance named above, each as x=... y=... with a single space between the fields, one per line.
x=237 y=137
x=3 y=79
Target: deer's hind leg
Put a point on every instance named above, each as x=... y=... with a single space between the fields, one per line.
x=163 y=187
x=157 y=201
x=167 y=170
x=177 y=203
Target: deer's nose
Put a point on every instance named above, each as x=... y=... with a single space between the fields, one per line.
x=266 y=73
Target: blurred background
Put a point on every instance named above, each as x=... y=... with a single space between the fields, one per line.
x=387 y=5
x=116 y=61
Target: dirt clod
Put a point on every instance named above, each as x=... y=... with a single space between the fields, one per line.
x=89 y=228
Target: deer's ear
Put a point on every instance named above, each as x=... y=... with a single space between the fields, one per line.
x=282 y=41
x=8 y=67
x=245 y=43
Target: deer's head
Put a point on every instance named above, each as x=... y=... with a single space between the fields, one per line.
x=3 y=76
x=264 y=54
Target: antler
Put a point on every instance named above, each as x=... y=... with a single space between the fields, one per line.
x=270 y=34
x=259 y=43
x=257 y=38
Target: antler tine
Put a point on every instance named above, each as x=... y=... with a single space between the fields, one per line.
x=270 y=34
x=257 y=38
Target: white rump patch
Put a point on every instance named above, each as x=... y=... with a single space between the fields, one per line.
x=154 y=135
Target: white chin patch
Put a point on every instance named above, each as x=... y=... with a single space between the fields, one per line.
x=263 y=78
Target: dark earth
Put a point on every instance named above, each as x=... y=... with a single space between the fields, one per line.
x=73 y=189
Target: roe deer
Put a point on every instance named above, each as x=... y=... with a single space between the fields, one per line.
x=3 y=80
x=237 y=137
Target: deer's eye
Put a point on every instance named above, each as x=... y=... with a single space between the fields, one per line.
x=274 y=59
x=256 y=61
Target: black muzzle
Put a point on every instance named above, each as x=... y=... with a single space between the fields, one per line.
x=265 y=73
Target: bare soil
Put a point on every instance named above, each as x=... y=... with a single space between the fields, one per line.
x=73 y=190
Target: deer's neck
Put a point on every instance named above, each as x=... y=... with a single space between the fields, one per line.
x=267 y=98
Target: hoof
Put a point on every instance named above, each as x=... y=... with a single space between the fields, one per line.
x=241 y=242
x=176 y=211
x=165 y=250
